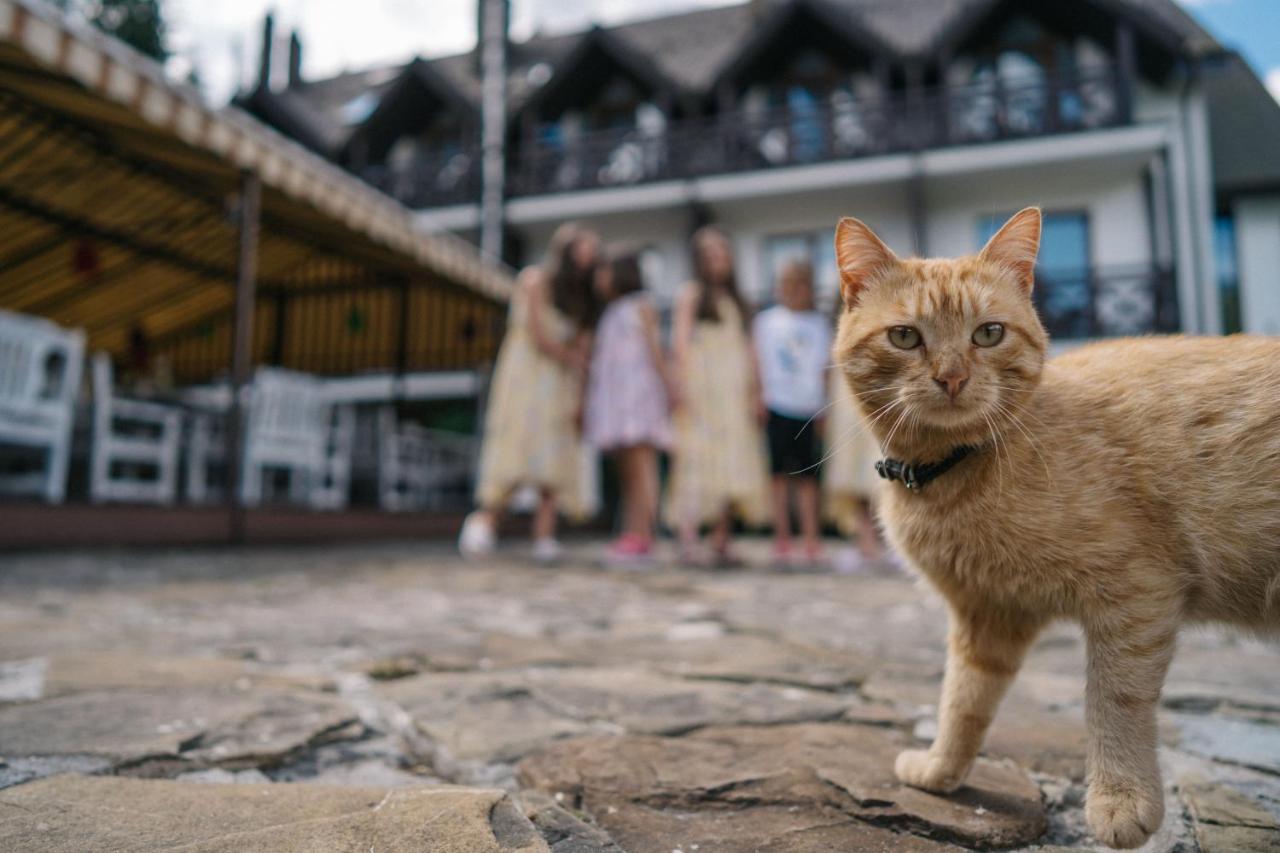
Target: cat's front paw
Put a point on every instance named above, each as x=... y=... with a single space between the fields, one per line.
x=920 y=769
x=1123 y=814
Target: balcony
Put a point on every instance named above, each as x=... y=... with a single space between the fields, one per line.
x=431 y=179
x=840 y=128
x=1107 y=302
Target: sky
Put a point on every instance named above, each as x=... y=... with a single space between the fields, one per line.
x=1251 y=27
x=221 y=38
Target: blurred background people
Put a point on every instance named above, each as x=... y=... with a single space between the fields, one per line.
x=849 y=478
x=531 y=436
x=793 y=345
x=718 y=469
x=628 y=398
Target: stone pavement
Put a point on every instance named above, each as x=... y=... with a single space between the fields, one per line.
x=392 y=698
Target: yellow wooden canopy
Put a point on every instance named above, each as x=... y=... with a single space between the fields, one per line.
x=119 y=193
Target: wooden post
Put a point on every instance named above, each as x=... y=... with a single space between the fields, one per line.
x=494 y=21
x=242 y=346
x=281 y=328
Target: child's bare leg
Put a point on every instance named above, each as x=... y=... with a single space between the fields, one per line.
x=807 y=508
x=635 y=491
x=647 y=494
x=544 y=517
x=869 y=544
x=781 y=512
x=720 y=533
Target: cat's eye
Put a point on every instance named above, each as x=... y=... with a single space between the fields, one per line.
x=988 y=334
x=904 y=337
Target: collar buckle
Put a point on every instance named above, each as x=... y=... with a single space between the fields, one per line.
x=915 y=476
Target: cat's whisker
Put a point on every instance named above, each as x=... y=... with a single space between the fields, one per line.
x=1013 y=418
x=893 y=431
x=815 y=416
x=995 y=439
x=850 y=433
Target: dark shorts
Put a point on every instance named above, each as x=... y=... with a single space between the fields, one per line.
x=794 y=448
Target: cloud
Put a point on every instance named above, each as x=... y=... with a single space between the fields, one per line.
x=1273 y=82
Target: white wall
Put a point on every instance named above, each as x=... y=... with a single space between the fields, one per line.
x=1258 y=247
x=1111 y=190
x=1113 y=195
x=752 y=221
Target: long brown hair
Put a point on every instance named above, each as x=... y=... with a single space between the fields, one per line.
x=628 y=277
x=571 y=291
x=707 y=309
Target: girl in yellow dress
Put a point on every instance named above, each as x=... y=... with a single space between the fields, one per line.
x=849 y=477
x=719 y=467
x=531 y=435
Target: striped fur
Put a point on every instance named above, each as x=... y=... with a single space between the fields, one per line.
x=1131 y=486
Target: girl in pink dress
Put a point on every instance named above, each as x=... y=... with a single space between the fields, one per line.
x=628 y=398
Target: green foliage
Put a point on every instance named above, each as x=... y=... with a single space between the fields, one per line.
x=138 y=23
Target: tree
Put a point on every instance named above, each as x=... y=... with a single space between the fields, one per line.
x=138 y=23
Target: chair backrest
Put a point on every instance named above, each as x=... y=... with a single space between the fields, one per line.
x=288 y=411
x=40 y=365
x=103 y=392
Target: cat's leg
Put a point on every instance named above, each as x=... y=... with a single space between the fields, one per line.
x=984 y=651
x=1127 y=665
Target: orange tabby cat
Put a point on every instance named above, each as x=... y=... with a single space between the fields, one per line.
x=1131 y=486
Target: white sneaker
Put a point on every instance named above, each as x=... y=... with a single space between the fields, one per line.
x=849 y=561
x=547 y=550
x=477 y=538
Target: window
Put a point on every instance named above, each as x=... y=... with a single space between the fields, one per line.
x=1225 y=258
x=1062 y=272
x=818 y=249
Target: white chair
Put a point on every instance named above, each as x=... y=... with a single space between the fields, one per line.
x=419 y=468
x=289 y=425
x=40 y=368
x=134 y=456
x=402 y=463
x=292 y=426
x=450 y=465
x=332 y=489
x=206 y=450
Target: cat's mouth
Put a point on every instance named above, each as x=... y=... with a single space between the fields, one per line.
x=962 y=411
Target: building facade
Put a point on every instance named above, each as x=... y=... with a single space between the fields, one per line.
x=1144 y=141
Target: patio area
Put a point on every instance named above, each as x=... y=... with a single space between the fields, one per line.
x=392 y=697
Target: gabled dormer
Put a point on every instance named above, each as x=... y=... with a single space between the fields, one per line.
x=600 y=119
x=1012 y=68
x=811 y=82
x=601 y=84
x=420 y=142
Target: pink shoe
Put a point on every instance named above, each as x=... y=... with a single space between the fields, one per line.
x=629 y=550
x=815 y=556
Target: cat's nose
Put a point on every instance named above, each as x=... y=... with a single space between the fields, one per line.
x=952 y=382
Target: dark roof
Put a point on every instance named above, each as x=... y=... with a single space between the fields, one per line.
x=828 y=16
x=693 y=48
x=1244 y=128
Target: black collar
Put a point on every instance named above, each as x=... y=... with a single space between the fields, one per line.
x=916 y=476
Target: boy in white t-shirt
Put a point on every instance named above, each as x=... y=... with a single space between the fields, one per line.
x=793 y=346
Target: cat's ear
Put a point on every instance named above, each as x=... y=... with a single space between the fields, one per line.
x=1016 y=245
x=861 y=256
